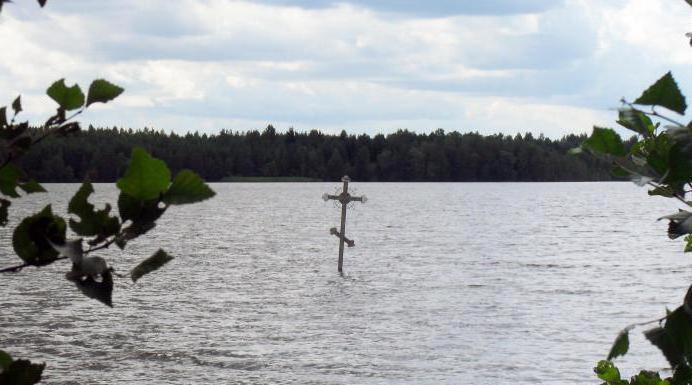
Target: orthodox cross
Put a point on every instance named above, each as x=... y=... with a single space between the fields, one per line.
x=344 y=198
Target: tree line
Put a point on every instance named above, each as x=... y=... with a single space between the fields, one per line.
x=101 y=155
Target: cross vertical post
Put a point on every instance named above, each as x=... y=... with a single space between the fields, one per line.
x=344 y=198
x=344 y=193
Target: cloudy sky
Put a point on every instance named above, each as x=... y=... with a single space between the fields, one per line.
x=541 y=66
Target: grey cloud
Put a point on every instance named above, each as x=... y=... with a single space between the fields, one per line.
x=412 y=79
x=433 y=7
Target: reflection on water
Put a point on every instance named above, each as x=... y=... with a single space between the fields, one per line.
x=507 y=283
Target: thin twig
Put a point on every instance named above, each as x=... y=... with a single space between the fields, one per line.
x=634 y=325
x=73 y=115
x=656 y=114
x=652 y=113
x=15 y=269
x=13 y=118
x=103 y=246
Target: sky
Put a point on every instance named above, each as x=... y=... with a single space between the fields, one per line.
x=365 y=66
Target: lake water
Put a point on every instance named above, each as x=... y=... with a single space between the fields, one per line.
x=504 y=283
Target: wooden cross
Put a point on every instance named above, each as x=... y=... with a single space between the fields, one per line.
x=344 y=198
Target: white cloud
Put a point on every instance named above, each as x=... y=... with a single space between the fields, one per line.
x=656 y=27
x=552 y=67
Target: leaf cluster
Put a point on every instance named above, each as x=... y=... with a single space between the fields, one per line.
x=661 y=158
x=146 y=192
x=610 y=374
x=672 y=335
x=16 y=138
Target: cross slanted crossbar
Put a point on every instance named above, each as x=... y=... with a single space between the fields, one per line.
x=344 y=198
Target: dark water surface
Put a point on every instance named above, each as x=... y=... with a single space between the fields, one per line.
x=506 y=283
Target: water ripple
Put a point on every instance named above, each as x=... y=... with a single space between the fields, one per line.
x=449 y=283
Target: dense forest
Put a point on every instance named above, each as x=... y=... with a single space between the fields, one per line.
x=101 y=155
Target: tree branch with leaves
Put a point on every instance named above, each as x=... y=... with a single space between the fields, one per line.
x=661 y=159
x=147 y=191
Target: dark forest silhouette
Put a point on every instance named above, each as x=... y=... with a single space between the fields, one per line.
x=102 y=154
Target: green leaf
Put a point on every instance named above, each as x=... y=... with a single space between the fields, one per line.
x=150 y=264
x=620 y=346
x=69 y=98
x=679 y=170
x=31 y=187
x=679 y=328
x=129 y=208
x=658 y=150
x=143 y=215
x=664 y=93
x=674 y=338
x=606 y=371
x=9 y=176
x=659 y=338
x=3 y=117
x=688 y=246
x=4 y=206
x=646 y=377
x=636 y=121
x=32 y=238
x=146 y=178
x=102 y=91
x=22 y=372
x=137 y=210
x=92 y=222
x=17 y=105
x=187 y=187
x=5 y=361
x=605 y=141
x=682 y=376
x=100 y=290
